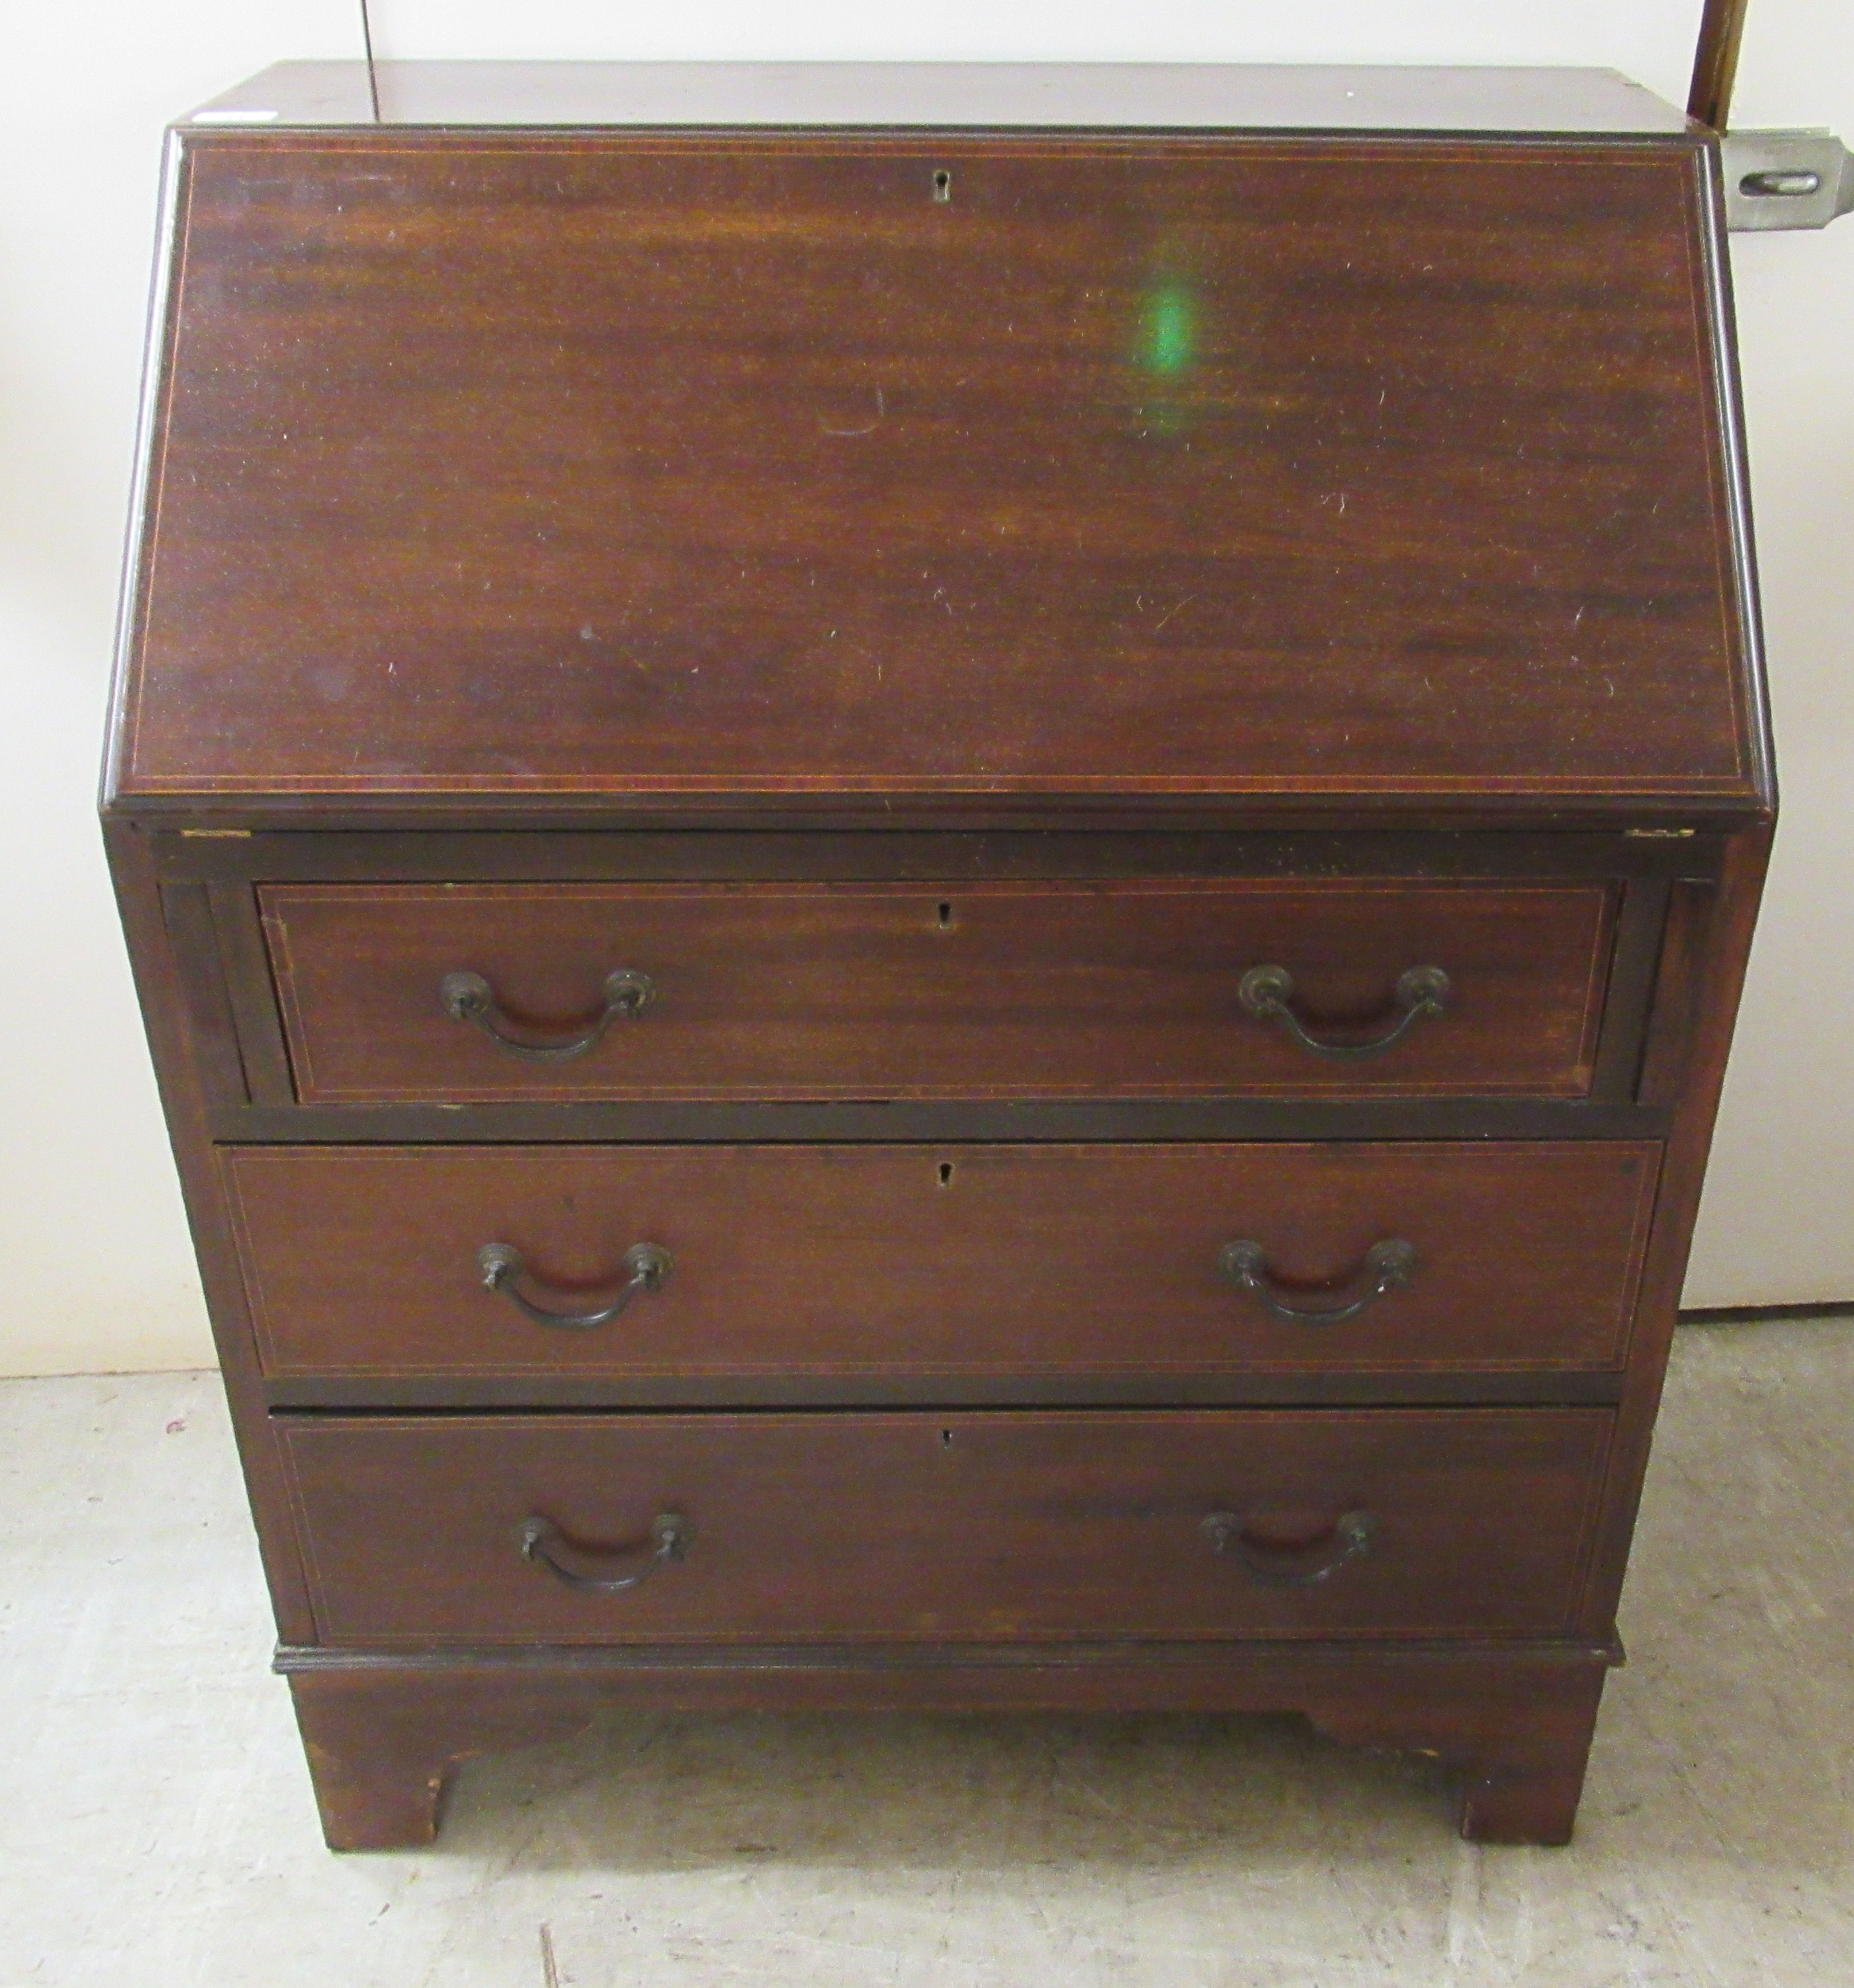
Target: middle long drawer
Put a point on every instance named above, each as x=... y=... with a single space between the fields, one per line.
x=762 y=1263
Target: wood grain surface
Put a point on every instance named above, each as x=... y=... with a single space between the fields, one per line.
x=1093 y=95
x=938 y=1527
x=1126 y=988
x=956 y=1262
x=615 y=463
x=1514 y=1722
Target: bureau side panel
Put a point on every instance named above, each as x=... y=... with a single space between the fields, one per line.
x=172 y=990
x=1706 y=948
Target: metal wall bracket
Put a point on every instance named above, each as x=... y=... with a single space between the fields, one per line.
x=1784 y=179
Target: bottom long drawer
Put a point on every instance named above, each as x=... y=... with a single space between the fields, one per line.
x=836 y=1526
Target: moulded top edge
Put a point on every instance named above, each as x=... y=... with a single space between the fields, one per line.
x=942 y=96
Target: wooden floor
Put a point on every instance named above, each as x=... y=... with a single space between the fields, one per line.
x=156 y=1827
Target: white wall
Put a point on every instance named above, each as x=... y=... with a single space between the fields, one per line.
x=95 y=1268
x=1777 y=1223
x=97 y=1272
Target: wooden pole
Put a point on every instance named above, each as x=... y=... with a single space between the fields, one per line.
x=1716 y=62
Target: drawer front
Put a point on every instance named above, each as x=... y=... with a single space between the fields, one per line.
x=1014 y=990
x=999 y=1526
x=785 y=1262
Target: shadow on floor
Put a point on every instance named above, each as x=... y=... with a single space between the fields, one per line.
x=643 y=1792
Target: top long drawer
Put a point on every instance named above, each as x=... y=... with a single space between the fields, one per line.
x=466 y=993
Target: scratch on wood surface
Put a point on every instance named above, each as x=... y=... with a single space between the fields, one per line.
x=550 y=1975
x=881 y=411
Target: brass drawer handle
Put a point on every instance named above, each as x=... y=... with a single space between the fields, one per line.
x=469 y=997
x=1291 y=1566
x=1390 y=1264
x=499 y=1265
x=671 y=1533
x=1265 y=993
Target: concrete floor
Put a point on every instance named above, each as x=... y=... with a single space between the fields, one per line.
x=156 y=1829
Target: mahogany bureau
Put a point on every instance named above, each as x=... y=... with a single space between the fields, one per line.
x=940 y=875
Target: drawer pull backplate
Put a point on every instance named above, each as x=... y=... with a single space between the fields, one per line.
x=499 y=1265
x=671 y=1537
x=469 y=997
x=1290 y=1567
x=1265 y=993
x=1389 y=1265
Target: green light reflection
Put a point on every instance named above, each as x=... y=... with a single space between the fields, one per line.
x=1168 y=328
